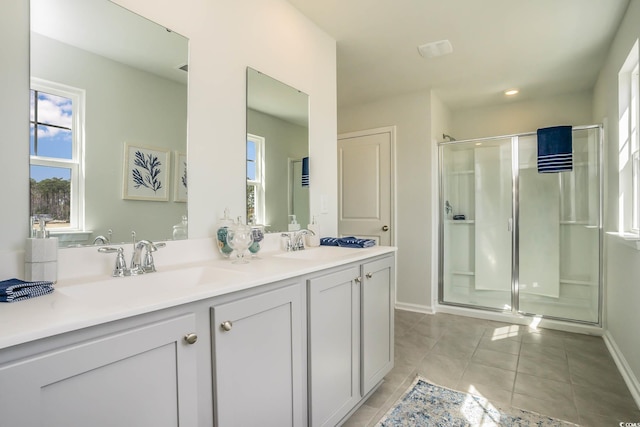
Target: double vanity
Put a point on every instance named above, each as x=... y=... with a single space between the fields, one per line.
x=290 y=339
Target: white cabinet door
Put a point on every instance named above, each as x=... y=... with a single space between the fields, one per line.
x=334 y=346
x=257 y=357
x=144 y=377
x=378 y=299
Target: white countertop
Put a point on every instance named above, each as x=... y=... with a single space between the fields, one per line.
x=80 y=302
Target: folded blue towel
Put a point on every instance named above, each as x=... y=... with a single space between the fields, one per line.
x=555 y=149
x=305 y=171
x=17 y=290
x=347 y=242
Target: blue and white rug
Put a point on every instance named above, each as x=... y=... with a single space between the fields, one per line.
x=425 y=404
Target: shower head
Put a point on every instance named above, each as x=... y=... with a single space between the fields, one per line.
x=449 y=137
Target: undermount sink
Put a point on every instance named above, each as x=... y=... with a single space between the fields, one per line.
x=321 y=253
x=127 y=289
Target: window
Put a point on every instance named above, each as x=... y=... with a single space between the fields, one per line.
x=255 y=179
x=55 y=148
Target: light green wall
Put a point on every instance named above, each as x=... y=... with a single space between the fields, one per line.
x=283 y=140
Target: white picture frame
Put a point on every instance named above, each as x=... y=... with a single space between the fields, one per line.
x=146 y=173
x=180 y=187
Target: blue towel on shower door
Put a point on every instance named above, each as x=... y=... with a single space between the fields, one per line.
x=305 y=171
x=555 y=149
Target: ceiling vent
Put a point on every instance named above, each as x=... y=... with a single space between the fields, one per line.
x=432 y=50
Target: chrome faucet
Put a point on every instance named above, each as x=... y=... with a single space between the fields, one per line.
x=140 y=265
x=103 y=240
x=120 y=269
x=294 y=240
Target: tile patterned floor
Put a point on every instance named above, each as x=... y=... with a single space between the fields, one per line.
x=559 y=374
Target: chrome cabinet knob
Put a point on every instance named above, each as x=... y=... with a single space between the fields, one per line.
x=385 y=228
x=369 y=275
x=226 y=326
x=191 y=338
x=358 y=279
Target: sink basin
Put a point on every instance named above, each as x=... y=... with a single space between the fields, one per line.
x=124 y=290
x=321 y=253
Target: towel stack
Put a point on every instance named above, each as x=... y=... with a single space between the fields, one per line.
x=17 y=290
x=347 y=242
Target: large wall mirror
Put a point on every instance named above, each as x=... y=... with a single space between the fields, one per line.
x=108 y=121
x=277 y=153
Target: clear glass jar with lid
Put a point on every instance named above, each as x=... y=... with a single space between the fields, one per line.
x=221 y=234
x=181 y=231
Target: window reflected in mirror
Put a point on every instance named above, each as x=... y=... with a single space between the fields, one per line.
x=55 y=155
x=255 y=179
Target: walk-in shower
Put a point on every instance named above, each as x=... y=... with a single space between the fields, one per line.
x=515 y=240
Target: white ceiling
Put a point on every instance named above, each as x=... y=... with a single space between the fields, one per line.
x=542 y=47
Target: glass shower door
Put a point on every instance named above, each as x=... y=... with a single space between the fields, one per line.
x=476 y=233
x=559 y=231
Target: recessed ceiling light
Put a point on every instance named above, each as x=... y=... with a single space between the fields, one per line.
x=439 y=48
x=511 y=92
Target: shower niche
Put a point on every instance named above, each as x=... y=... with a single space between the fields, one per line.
x=515 y=240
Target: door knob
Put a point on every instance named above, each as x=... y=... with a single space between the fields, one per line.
x=191 y=338
x=227 y=325
x=369 y=275
x=358 y=279
x=385 y=228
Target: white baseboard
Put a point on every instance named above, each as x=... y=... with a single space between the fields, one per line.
x=623 y=367
x=418 y=308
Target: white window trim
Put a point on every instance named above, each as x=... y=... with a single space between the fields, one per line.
x=634 y=120
x=259 y=183
x=76 y=164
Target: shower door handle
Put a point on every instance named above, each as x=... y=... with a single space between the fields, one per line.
x=510 y=224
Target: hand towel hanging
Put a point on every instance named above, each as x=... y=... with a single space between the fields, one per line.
x=555 y=149
x=305 y=171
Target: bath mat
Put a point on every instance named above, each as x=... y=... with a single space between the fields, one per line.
x=425 y=404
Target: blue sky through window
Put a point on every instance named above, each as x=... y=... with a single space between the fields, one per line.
x=251 y=160
x=44 y=172
x=55 y=139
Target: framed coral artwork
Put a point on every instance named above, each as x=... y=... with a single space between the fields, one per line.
x=180 y=177
x=146 y=173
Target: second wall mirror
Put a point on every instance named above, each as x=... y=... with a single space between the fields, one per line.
x=277 y=153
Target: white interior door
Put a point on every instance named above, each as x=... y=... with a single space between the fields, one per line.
x=365 y=184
